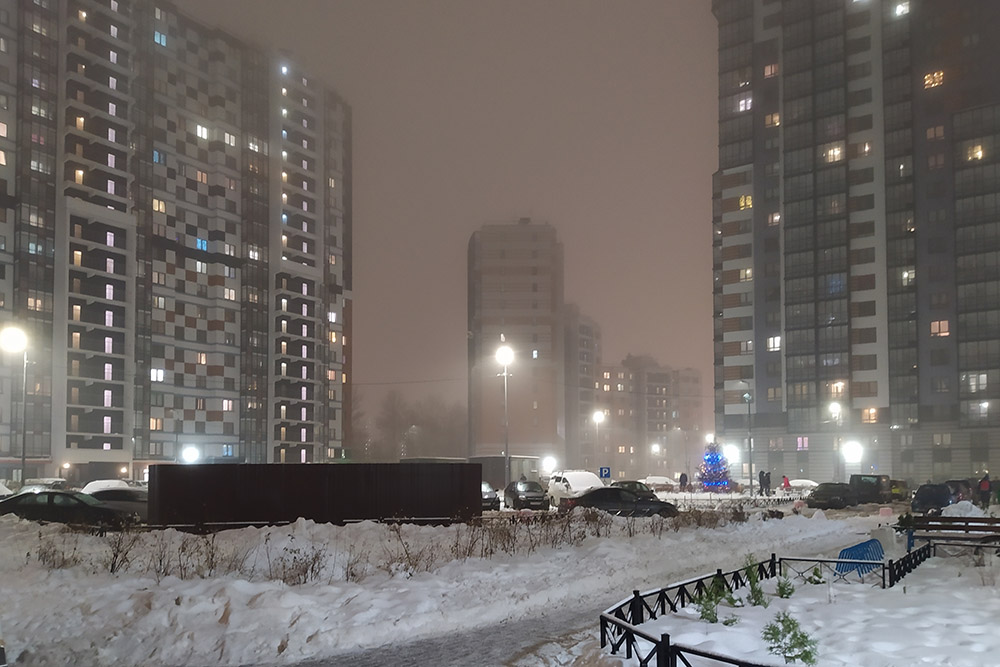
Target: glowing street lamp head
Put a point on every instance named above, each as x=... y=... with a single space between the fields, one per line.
x=655 y=448
x=709 y=438
x=732 y=453
x=13 y=339
x=190 y=454
x=835 y=409
x=598 y=416
x=505 y=355
x=852 y=451
x=548 y=464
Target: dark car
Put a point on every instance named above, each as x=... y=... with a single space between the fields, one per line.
x=638 y=488
x=491 y=501
x=872 y=488
x=133 y=501
x=932 y=498
x=64 y=507
x=525 y=495
x=832 y=495
x=616 y=500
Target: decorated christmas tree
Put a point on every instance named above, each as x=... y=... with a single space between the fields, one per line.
x=714 y=469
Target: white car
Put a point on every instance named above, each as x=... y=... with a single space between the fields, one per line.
x=99 y=484
x=571 y=484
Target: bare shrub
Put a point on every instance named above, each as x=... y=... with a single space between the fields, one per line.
x=120 y=544
x=501 y=535
x=160 y=557
x=57 y=554
x=657 y=526
x=402 y=557
x=596 y=522
x=294 y=565
x=356 y=565
x=467 y=542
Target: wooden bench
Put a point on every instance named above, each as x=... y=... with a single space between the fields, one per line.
x=954 y=530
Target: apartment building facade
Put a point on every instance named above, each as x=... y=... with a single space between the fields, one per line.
x=854 y=237
x=176 y=244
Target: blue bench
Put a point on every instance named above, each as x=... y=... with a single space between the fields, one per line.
x=870 y=550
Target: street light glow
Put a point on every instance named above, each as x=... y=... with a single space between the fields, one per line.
x=190 y=454
x=598 y=416
x=732 y=453
x=548 y=464
x=655 y=448
x=709 y=438
x=852 y=451
x=505 y=355
x=13 y=339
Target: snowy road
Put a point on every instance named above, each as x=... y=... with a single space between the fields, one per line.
x=560 y=636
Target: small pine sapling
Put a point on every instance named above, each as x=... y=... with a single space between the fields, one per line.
x=785 y=588
x=708 y=602
x=784 y=637
x=756 y=596
x=816 y=577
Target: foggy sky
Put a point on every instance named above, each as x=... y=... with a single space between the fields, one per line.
x=598 y=117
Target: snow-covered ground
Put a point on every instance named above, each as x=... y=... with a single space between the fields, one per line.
x=186 y=600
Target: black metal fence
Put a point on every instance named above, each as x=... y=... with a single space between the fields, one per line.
x=620 y=624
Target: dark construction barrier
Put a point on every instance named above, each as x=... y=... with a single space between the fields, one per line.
x=266 y=493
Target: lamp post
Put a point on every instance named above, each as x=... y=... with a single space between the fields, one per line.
x=504 y=357
x=748 y=398
x=13 y=339
x=598 y=418
x=837 y=419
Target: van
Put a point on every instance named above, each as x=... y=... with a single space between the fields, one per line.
x=872 y=488
x=571 y=484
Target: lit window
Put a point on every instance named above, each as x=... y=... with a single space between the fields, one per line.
x=109 y=265
x=802 y=443
x=113 y=30
x=933 y=79
x=156 y=374
x=746 y=202
x=744 y=102
x=160 y=38
x=227 y=405
x=534 y=354
x=109 y=318
x=935 y=133
x=974 y=152
x=746 y=347
x=201 y=176
x=229 y=293
x=909 y=277
x=109 y=372
x=902 y=8
x=746 y=275
x=155 y=423
x=772 y=120
x=201 y=244
x=939 y=328
x=202 y=358
x=109 y=292
x=284 y=69
x=833 y=152
x=113 y=57
x=112 y=134
x=159 y=205
x=774 y=343
x=230 y=139
x=202 y=132
x=109 y=345
x=770 y=70
x=107 y=424
x=107 y=398
x=976 y=382
x=112 y=84
x=201 y=267
x=774 y=219
x=78 y=176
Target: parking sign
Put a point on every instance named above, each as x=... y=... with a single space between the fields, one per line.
x=605 y=472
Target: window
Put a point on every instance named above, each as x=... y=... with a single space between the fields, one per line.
x=201 y=267
x=935 y=133
x=160 y=38
x=746 y=347
x=202 y=132
x=156 y=374
x=534 y=354
x=909 y=277
x=155 y=423
x=159 y=157
x=227 y=405
x=746 y=202
x=746 y=275
x=109 y=265
x=774 y=219
x=109 y=318
x=229 y=138
x=109 y=292
x=107 y=424
x=772 y=120
x=869 y=416
x=975 y=381
x=202 y=358
x=933 y=79
x=974 y=152
x=113 y=85
x=107 y=398
x=109 y=345
x=109 y=372
x=201 y=176
x=902 y=8
x=201 y=244
x=744 y=102
x=770 y=70
x=939 y=328
x=832 y=152
x=774 y=343
x=159 y=206
x=229 y=294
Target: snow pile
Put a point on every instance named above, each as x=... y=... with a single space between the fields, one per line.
x=963 y=508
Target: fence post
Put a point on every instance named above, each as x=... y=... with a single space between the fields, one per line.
x=663 y=651
x=635 y=612
x=604 y=632
x=774 y=565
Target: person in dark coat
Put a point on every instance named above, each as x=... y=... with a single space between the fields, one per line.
x=683 y=481
x=984 y=491
x=767 y=483
x=760 y=478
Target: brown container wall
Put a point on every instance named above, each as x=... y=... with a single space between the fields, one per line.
x=327 y=493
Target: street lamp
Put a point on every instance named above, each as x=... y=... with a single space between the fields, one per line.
x=748 y=398
x=598 y=418
x=13 y=339
x=505 y=357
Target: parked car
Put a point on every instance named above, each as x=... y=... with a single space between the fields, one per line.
x=99 y=484
x=525 y=495
x=900 y=489
x=638 y=488
x=616 y=500
x=832 y=495
x=491 y=500
x=571 y=484
x=932 y=498
x=872 y=488
x=136 y=501
x=4 y=491
x=48 y=482
x=64 y=507
x=660 y=483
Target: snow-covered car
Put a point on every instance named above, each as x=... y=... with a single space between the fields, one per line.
x=638 y=488
x=99 y=484
x=571 y=484
x=130 y=500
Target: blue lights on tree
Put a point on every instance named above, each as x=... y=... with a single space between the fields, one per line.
x=714 y=469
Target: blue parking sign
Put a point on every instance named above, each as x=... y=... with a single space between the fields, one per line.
x=605 y=472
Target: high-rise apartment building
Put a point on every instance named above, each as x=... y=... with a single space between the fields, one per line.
x=175 y=240
x=583 y=360
x=515 y=277
x=856 y=240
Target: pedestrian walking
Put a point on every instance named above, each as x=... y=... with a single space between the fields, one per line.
x=767 y=483
x=984 y=491
x=683 y=481
x=785 y=484
x=760 y=478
